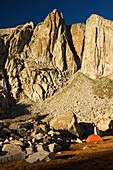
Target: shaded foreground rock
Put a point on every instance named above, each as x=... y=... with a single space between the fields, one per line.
x=11 y=148
x=12 y=157
x=40 y=156
x=11 y=152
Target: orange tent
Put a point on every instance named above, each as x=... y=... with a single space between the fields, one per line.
x=94 y=138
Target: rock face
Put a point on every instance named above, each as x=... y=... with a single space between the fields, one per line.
x=98 y=50
x=38 y=60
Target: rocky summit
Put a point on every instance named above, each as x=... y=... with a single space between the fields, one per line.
x=56 y=86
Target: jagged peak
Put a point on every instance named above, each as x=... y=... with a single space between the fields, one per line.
x=53 y=14
x=54 y=10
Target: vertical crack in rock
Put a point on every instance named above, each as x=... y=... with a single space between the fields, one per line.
x=71 y=45
x=83 y=45
x=104 y=47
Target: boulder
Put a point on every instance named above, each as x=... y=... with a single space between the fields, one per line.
x=103 y=124
x=12 y=157
x=11 y=148
x=11 y=152
x=40 y=156
x=66 y=122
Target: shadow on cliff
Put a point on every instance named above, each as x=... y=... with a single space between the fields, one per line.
x=14 y=110
x=70 y=42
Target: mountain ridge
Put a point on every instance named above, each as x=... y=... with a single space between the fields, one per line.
x=36 y=61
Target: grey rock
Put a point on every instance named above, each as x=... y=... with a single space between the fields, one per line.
x=54 y=147
x=16 y=142
x=6 y=141
x=103 y=124
x=78 y=140
x=6 y=131
x=51 y=132
x=11 y=148
x=40 y=156
x=12 y=157
x=41 y=147
x=38 y=136
x=29 y=151
x=1 y=143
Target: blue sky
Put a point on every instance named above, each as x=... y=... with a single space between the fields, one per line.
x=17 y=12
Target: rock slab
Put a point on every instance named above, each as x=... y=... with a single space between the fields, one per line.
x=40 y=156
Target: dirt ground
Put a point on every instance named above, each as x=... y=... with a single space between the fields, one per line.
x=97 y=155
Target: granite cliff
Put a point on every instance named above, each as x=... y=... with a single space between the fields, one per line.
x=37 y=61
x=98 y=51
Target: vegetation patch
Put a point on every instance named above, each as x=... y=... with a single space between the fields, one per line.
x=103 y=87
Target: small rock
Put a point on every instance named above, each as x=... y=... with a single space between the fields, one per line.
x=54 y=147
x=29 y=150
x=33 y=140
x=30 y=137
x=58 y=140
x=2 y=139
x=21 y=139
x=6 y=131
x=30 y=144
x=6 y=141
x=14 y=126
x=44 y=127
x=58 y=153
x=16 y=142
x=39 y=136
x=16 y=137
x=39 y=130
x=47 y=140
x=41 y=147
x=1 y=143
x=85 y=147
x=11 y=138
x=51 y=133
x=33 y=134
x=78 y=140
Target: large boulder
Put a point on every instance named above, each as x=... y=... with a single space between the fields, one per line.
x=11 y=152
x=68 y=122
x=105 y=125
